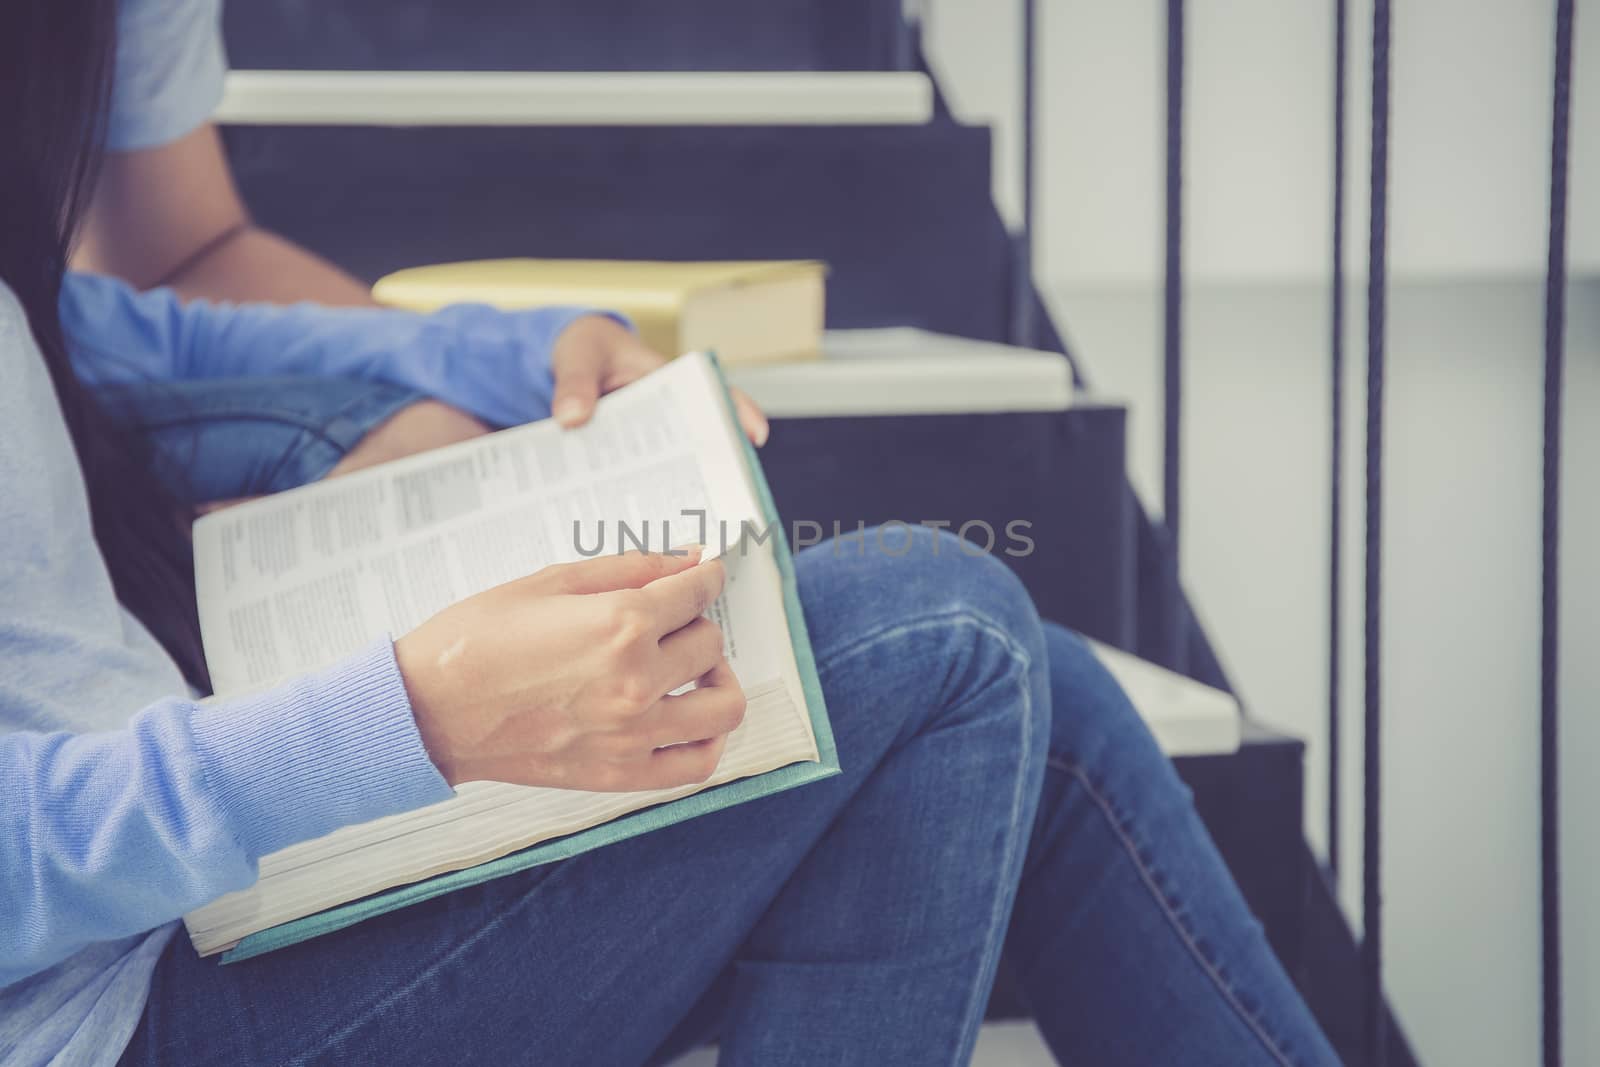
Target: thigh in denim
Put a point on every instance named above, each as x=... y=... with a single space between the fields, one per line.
x=223 y=438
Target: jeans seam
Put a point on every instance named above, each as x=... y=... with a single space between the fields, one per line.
x=1171 y=912
x=961 y=616
x=999 y=918
x=1021 y=663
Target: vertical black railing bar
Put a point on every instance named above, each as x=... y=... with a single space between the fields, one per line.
x=1555 y=284
x=1022 y=294
x=1372 y=776
x=1336 y=443
x=1172 y=322
x=1174 y=621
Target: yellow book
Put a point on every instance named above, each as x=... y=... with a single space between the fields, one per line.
x=755 y=311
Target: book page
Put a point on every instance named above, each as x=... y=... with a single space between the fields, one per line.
x=297 y=581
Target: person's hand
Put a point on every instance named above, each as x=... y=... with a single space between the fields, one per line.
x=563 y=678
x=596 y=354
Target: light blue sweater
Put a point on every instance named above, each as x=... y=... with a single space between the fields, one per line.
x=123 y=803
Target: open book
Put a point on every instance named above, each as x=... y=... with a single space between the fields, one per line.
x=297 y=581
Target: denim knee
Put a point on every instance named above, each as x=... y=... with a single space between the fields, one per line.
x=914 y=571
x=930 y=597
x=1094 y=726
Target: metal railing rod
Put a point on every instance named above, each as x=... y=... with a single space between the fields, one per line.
x=1023 y=327
x=1174 y=621
x=1336 y=444
x=1555 y=280
x=1373 y=1010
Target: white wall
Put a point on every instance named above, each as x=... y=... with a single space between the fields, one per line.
x=1467 y=204
x=1471 y=130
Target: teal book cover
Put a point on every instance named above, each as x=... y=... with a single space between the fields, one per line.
x=630 y=825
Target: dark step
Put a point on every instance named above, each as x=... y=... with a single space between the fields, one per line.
x=1061 y=472
x=569 y=35
x=1330 y=977
x=902 y=214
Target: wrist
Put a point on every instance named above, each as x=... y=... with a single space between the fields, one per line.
x=417 y=664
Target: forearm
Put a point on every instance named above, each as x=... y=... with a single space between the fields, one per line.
x=493 y=364
x=247 y=264
x=107 y=835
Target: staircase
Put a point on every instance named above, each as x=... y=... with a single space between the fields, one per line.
x=895 y=196
x=591 y=35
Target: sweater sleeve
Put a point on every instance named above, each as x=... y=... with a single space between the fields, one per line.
x=494 y=364
x=103 y=835
x=116 y=820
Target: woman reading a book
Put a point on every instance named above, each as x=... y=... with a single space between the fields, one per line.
x=998 y=794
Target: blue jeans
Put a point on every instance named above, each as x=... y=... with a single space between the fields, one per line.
x=999 y=794
x=217 y=439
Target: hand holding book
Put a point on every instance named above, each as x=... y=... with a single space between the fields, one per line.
x=567 y=677
x=596 y=355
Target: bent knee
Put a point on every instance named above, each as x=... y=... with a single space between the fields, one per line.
x=1092 y=719
x=899 y=575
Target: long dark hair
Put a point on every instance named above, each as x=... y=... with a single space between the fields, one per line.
x=56 y=59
